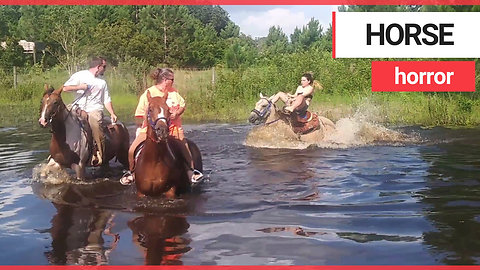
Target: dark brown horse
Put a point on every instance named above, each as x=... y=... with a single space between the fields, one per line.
x=72 y=144
x=161 y=168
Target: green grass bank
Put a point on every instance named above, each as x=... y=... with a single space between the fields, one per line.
x=223 y=95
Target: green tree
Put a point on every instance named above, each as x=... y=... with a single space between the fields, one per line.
x=241 y=53
x=214 y=16
x=305 y=38
x=275 y=43
x=9 y=16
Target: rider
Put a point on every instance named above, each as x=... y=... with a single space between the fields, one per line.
x=299 y=101
x=92 y=95
x=163 y=78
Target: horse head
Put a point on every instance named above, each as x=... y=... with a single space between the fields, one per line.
x=51 y=105
x=262 y=111
x=158 y=117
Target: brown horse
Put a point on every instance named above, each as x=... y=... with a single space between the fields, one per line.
x=71 y=145
x=161 y=168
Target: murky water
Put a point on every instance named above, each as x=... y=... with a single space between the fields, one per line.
x=408 y=199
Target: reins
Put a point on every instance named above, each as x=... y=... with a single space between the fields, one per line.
x=152 y=124
x=265 y=111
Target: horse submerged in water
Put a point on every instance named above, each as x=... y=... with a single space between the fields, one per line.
x=161 y=167
x=72 y=144
x=310 y=128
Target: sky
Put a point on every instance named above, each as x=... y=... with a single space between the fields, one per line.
x=256 y=20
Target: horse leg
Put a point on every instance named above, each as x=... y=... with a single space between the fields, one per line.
x=170 y=194
x=51 y=165
x=79 y=171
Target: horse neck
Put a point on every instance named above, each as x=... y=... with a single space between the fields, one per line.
x=155 y=147
x=273 y=114
x=58 y=123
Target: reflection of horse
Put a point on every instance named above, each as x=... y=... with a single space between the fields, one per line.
x=313 y=128
x=161 y=238
x=161 y=167
x=77 y=236
x=72 y=143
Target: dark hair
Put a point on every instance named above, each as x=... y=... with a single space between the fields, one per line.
x=309 y=77
x=161 y=74
x=96 y=61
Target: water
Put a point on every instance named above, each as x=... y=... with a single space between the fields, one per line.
x=409 y=196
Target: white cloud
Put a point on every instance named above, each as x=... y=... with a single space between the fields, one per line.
x=258 y=24
x=256 y=20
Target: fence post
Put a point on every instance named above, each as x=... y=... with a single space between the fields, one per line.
x=213 y=75
x=14 y=77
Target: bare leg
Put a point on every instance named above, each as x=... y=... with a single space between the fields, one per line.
x=280 y=95
x=131 y=151
x=193 y=174
x=129 y=177
x=296 y=102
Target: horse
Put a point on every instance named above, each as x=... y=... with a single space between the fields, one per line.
x=161 y=167
x=71 y=145
x=314 y=129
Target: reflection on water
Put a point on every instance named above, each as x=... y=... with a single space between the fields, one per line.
x=394 y=201
x=77 y=236
x=160 y=238
x=452 y=195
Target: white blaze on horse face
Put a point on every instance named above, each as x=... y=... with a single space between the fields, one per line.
x=42 y=116
x=161 y=115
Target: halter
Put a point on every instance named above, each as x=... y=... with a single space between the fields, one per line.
x=153 y=123
x=265 y=111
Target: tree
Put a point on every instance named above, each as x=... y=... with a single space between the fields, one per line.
x=9 y=16
x=69 y=28
x=241 y=53
x=305 y=38
x=172 y=28
x=214 y=16
x=276 y=42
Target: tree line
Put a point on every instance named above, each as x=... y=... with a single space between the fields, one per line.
x=177 y=36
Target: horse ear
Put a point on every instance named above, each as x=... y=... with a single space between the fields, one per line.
x=48 y=89
x=58 y=91
x=149 y=97
x=261 y=95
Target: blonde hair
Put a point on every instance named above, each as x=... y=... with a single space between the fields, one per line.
x=317 y=85
x=160 y=74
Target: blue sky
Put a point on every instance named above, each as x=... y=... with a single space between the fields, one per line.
x=256 y=20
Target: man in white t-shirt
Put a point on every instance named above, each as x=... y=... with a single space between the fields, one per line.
x=92 y=95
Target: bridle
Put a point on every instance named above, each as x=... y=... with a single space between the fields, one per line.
x=265 y=111
x=153 y=124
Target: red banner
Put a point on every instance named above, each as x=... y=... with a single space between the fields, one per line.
x=264 y=267
x=423 y=76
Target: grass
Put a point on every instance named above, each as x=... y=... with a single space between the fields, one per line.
x=230 y=99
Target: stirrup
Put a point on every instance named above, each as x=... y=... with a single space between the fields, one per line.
x=197 y=176
x=127 y=179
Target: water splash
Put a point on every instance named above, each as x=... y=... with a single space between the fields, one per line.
x=358 y=130
x=50 y=175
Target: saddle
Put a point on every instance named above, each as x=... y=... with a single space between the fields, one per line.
x=108 y=128
x=304 y=124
